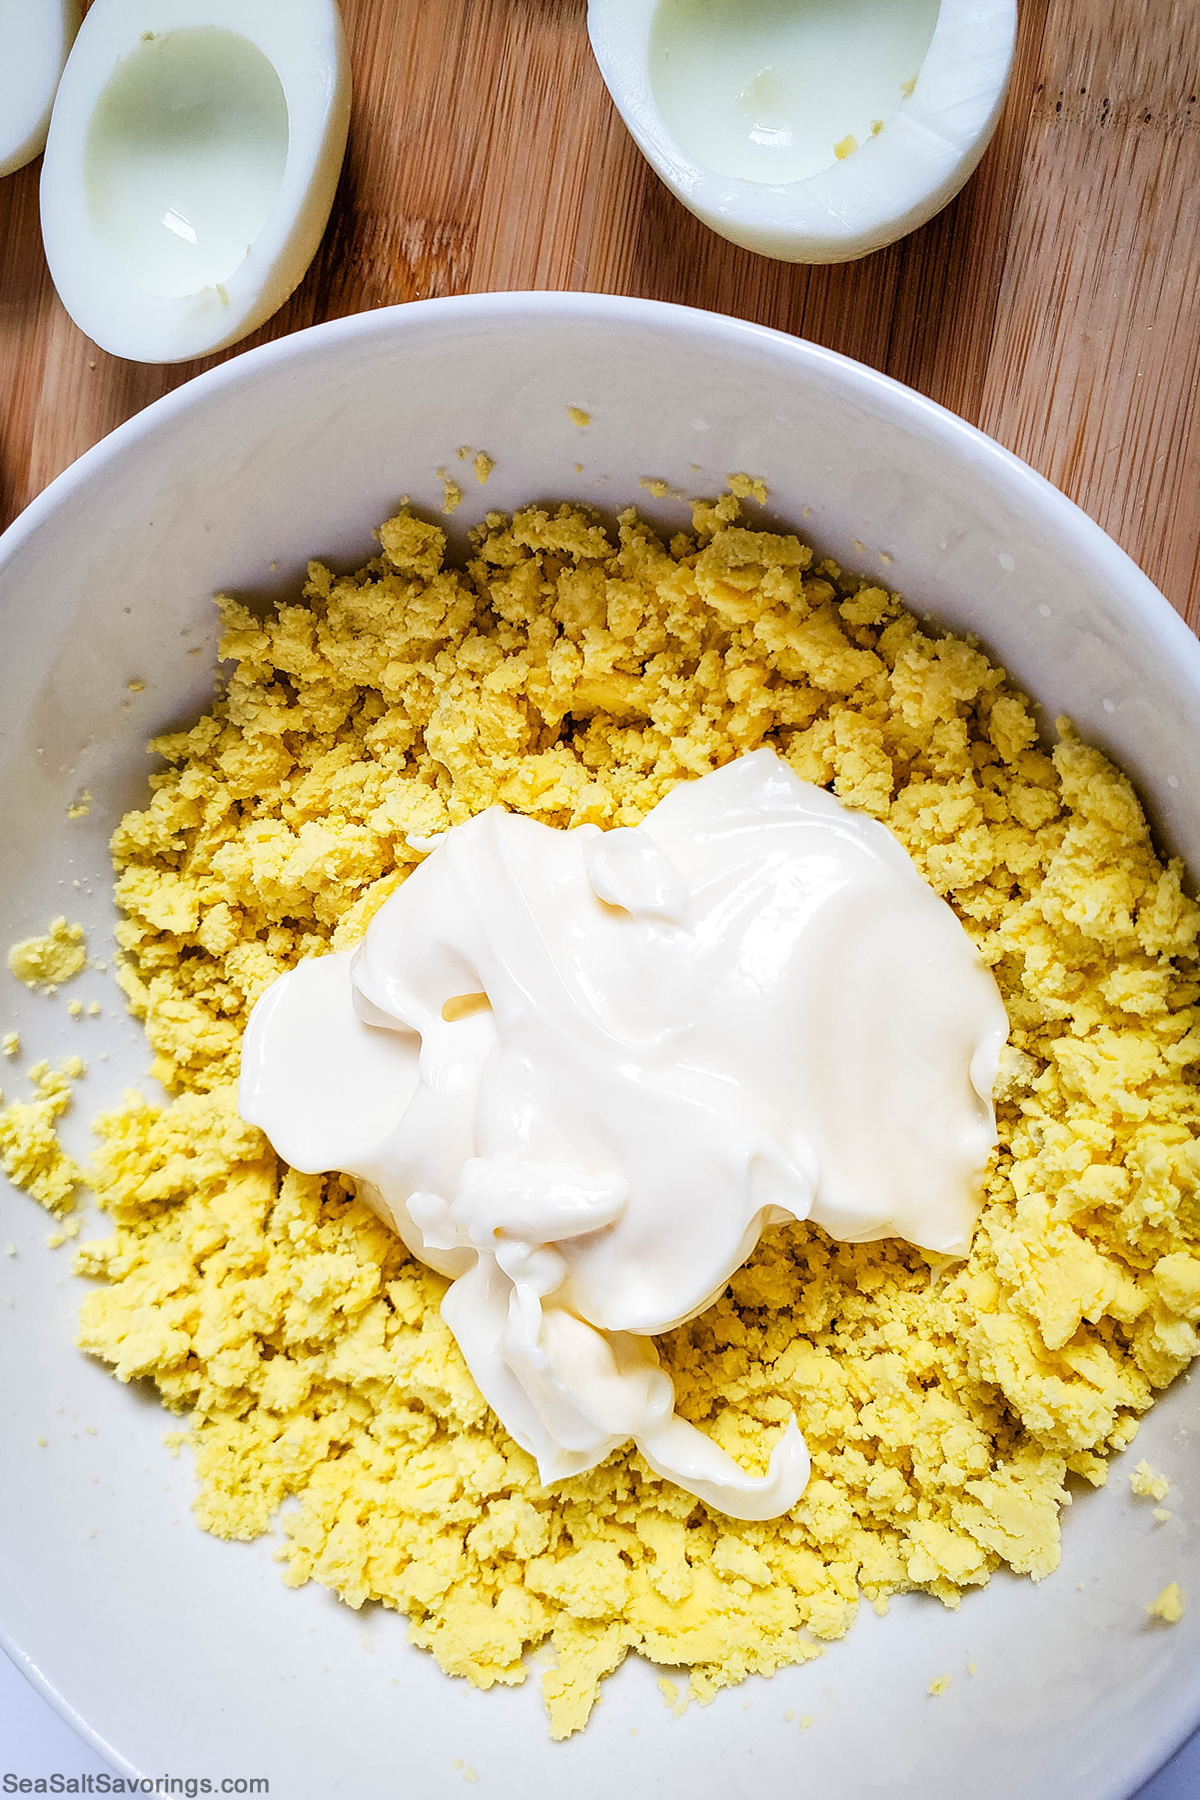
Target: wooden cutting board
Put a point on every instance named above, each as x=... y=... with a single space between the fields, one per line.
x=1054 y=303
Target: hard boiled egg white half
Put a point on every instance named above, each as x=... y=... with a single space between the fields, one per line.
x=810 y=130
x=35 y=36
x=192 y=160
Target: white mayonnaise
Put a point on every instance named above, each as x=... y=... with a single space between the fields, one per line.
x=579 y=1071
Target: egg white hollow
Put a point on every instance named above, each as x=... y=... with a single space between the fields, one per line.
x=757 y=151
x=35 y=36
x=192 y=160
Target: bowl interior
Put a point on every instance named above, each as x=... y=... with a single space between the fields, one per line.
x=173 y=1651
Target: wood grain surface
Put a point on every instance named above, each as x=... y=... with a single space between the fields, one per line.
x=1054 y=303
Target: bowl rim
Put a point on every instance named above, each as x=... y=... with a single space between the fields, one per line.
x=1166 y=630
x=1173 y=637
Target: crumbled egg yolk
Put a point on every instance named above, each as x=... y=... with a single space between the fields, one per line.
x=1167 y=1606
x=47 y=961
x=749 y=487
x=1147 y=1484
x=451 y=493
x=576 y=678
x=30 y=1153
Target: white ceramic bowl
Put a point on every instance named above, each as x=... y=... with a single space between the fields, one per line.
x=175 y=1653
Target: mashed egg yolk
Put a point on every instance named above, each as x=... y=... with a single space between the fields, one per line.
x=575 y=676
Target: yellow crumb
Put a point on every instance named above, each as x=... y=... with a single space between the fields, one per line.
x=1168 y=1606
x=578 y=417
x=845 y=146
x=80 y=808
x=76 y=1009
x=1148 y=1484
x=876 y=127
x=483 y=465
x=972 y=1668
x=807 y=1722
x=908 y=87
x=788 y=1715
x=655 y=486
x=1161 y=1514
x=30 y=1153
x=749 y=487
x=451 y=493
x=470 y=1775
x=578 y=468
x=41 y=1443
x=939 y=1684
x=45 y=962
x=574 y=675
x=464 y=1006
x=10 y=1249
x=463 y=451
x=11 y=1043
x=677 y=1702
x=94 y=1009
x=136 y=686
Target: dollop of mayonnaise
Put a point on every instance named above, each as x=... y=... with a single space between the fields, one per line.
x=579 y=1071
